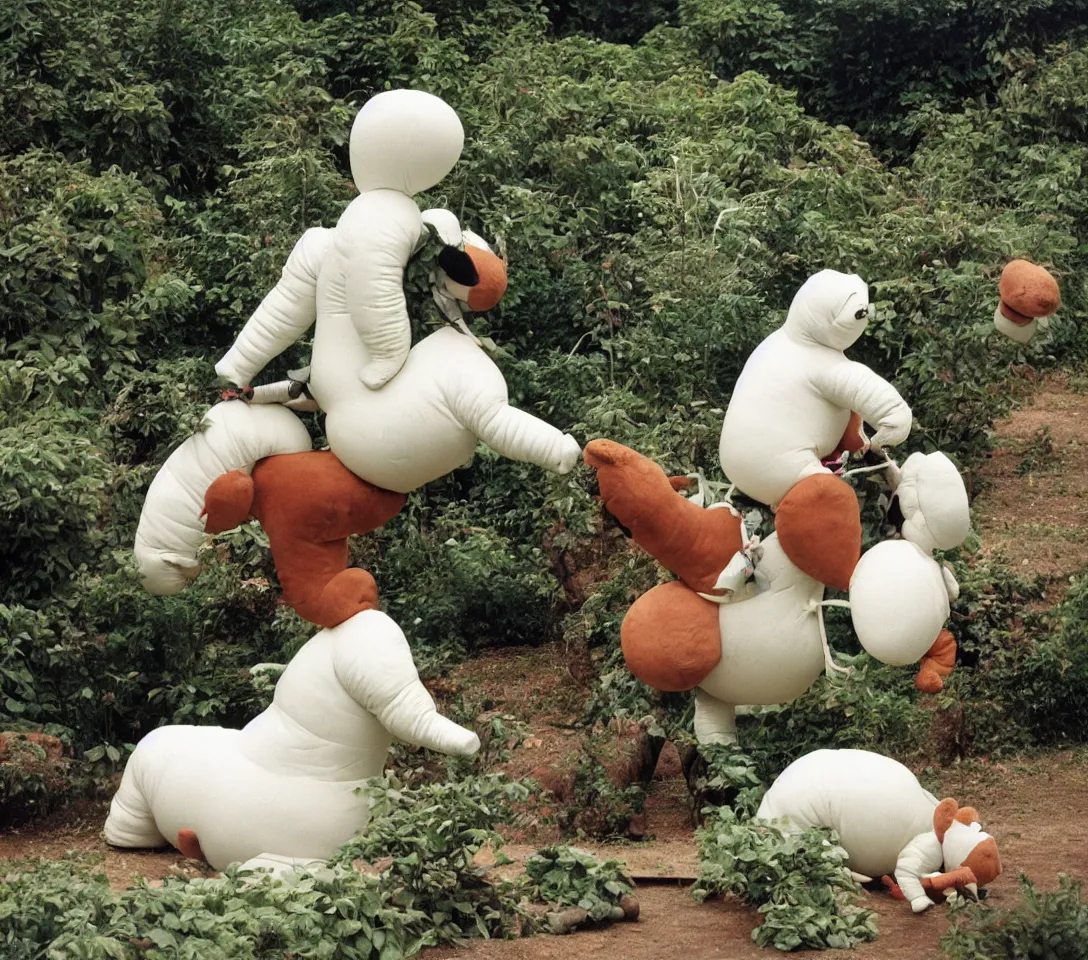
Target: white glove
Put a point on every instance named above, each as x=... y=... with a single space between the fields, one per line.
x=893 y=431
x=921 y=904
x=570 y=454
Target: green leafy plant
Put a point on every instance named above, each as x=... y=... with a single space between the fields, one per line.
x=564 y=876
x=424 y=840
x=1039 y=454
x=1053 y=925
x=419 y=888
x=800 y=883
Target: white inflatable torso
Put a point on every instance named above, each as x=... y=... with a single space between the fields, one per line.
x=875 y=804
x=251 y=808
x=792 y=402
x=285 y=784
x=771 y=649
x=419 y=426
x=778 y=425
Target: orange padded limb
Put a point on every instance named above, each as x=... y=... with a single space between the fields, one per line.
x=670 y=637
x=694 y=543
x=819 y=526
x=228 y=502
x=938 y=663
x=309 y=504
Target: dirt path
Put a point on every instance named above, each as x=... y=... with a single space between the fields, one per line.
x=1032 y=510
x=1037 y=810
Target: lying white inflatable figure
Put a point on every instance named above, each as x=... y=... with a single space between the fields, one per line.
x=284 y=786
x=792 y=402
x=233 y=436
x=886 y=822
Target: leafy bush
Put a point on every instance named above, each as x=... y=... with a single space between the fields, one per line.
x=563 y=876
x=428 y=893
x=33 y=779
x=800 y=883
x=1053 y=925
x=424 y=840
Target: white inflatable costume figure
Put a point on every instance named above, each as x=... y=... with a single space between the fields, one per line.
x=886 y=822
x=414 y=415
x=233 y=436
x=792 y=402
x=769 y=645
x=773 y=641
x=282 y=790
x=402 y=143
x=764 y=642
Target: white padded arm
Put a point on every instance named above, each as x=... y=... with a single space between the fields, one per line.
x=853 y=386
x=514 y=433
x=919 y=858
x=283 y=316
x=374 y=246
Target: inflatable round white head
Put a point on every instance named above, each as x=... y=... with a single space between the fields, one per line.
x=933 y=501
x=831 y=309
x=404 y=140
x=898 y=602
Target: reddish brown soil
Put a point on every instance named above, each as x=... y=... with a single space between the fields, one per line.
x=1038 y=811
x=1032 y=510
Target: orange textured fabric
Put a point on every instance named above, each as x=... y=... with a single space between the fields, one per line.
x=309 y=504
x=819 y=526
x=1027 y=292
x=693 y=543
x=188 y=843
x=670 y=638
x=938 y=663
x=853 y=437
x=228 y=502
x=954 y=880
x=492 y=284
x=943 y=816
x=984 y=862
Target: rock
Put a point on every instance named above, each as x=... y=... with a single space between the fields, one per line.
x=630 y=906
x=567 y=921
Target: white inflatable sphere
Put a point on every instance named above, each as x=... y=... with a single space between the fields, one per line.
x=404 y=140
x=898 y=602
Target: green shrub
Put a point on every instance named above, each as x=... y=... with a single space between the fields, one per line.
x=426 y=892
x=800 y=883
x=33 y=781
x=564 y=876
x=1053 y=925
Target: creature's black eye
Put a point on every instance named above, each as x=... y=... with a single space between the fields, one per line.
x=862 y=313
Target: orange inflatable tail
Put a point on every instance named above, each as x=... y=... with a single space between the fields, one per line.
x=938 y=663
x=694 y=543
x=189 y=844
